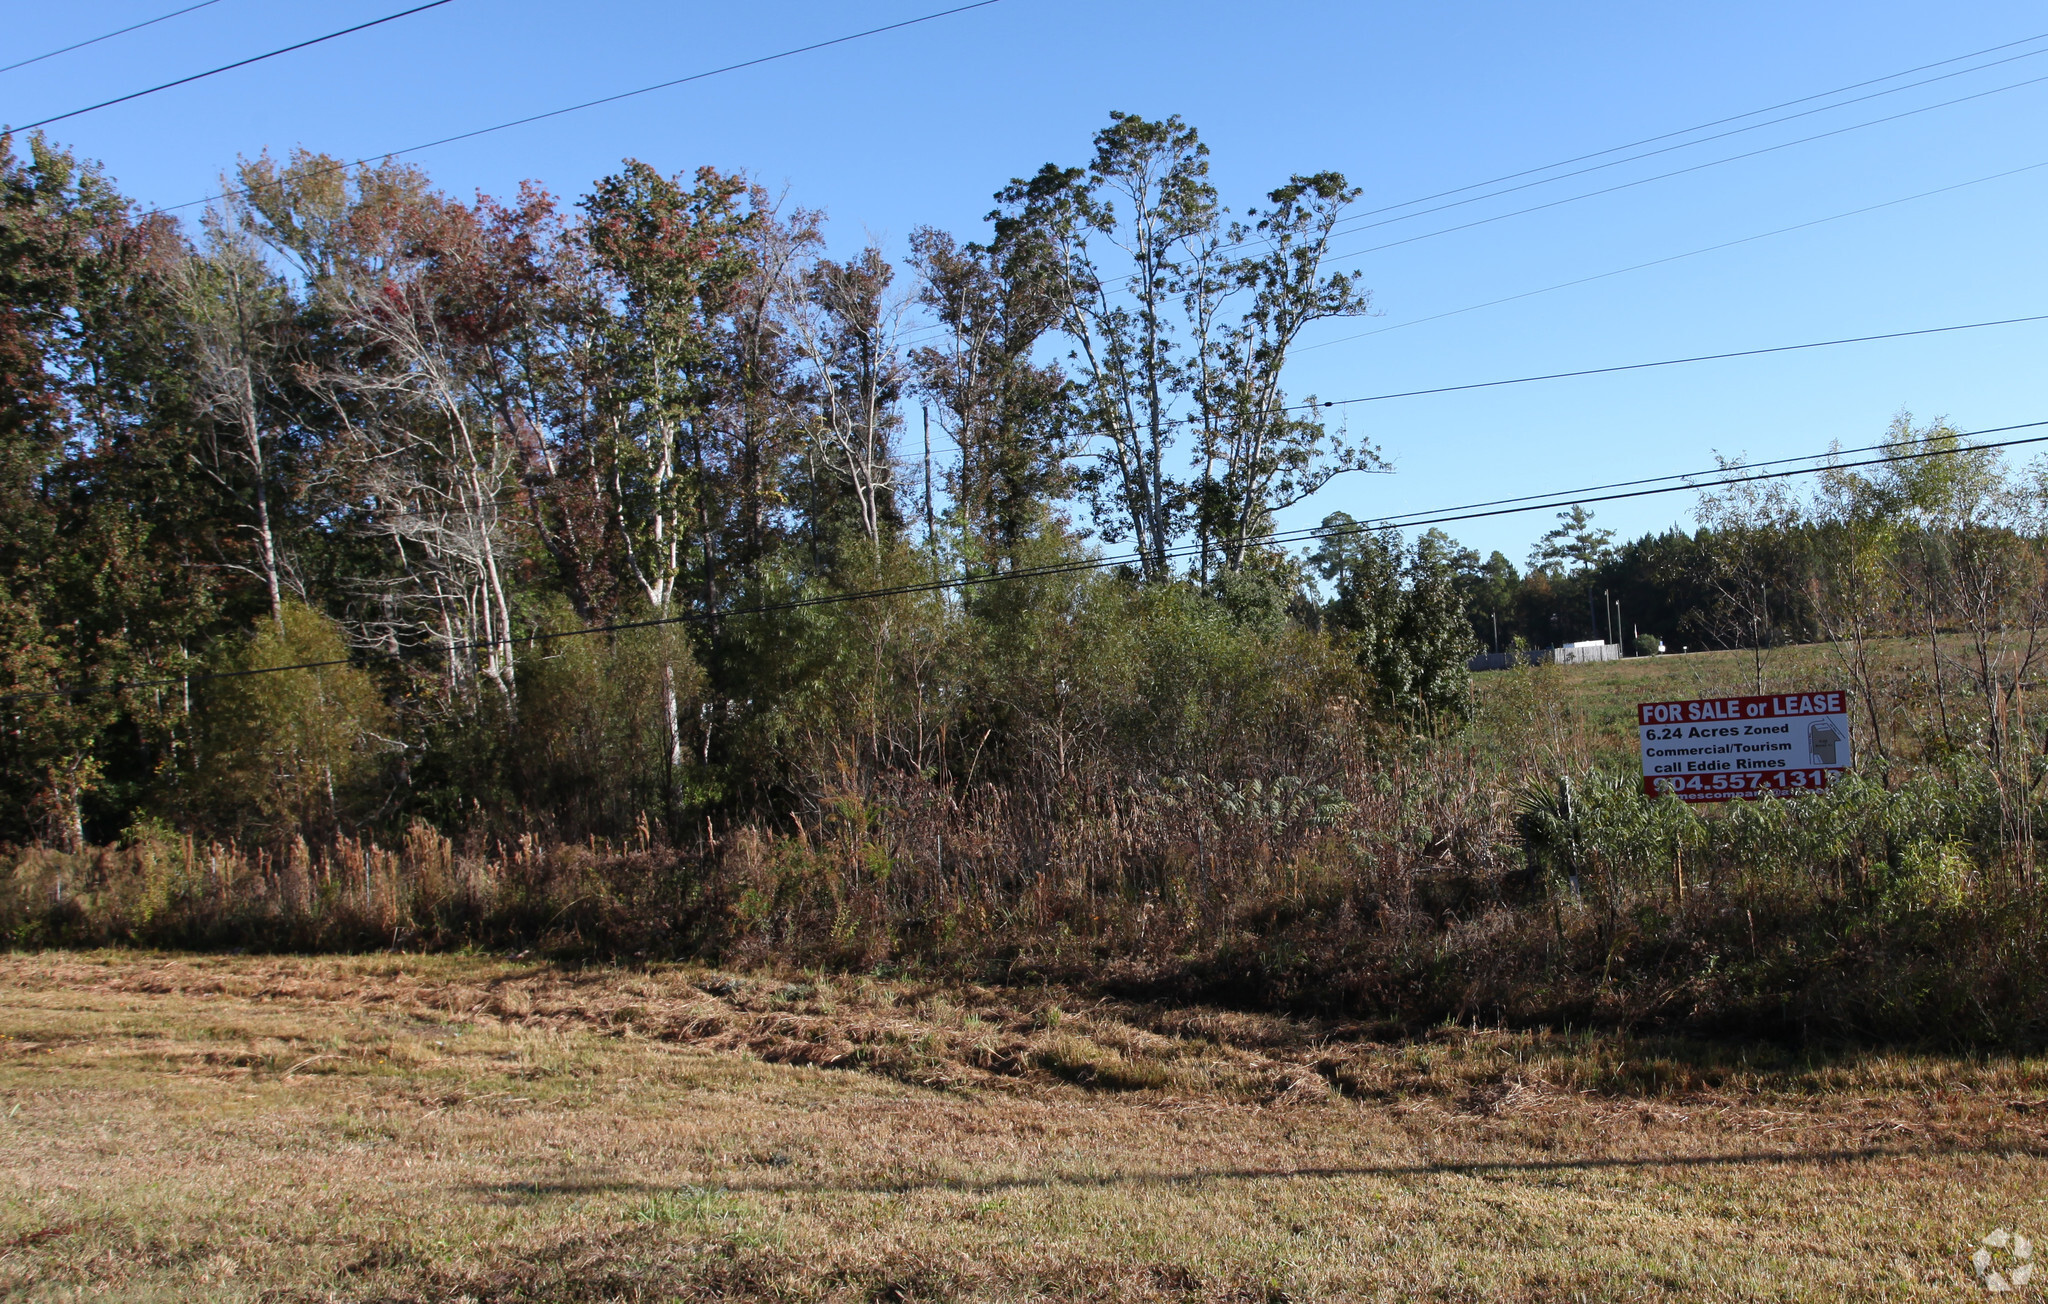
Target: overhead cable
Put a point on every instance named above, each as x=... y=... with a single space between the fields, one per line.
x=108 y=36
x=1672 y=258
x=1728 y=477
x=1357 y=222
x=1704 y=126
x=1685 y=171
x=623 y=95
x=1664 y=362
x=239 y=63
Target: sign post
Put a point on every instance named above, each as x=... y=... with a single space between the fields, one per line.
x=1729 y=748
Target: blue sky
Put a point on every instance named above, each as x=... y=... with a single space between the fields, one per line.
x=920 y=126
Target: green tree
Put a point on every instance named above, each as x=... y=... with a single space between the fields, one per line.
x=288 y=751
x=1573 y=545
x=1147 y=274
x=1489 y=590
x=1404 y=610
x=103 y=557
x=1260 y=454
x=1005 y=411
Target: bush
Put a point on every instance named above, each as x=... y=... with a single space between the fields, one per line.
x=289 y=752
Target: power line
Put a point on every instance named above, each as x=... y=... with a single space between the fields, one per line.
x=1696 y=167
x=613 y=99
x=1730 y=476
x=1471 y=511
x=593 y=495
x=1596 y=494
x=1667 y=362
x=1704 y=126
x=1357 y=221
x=108 y=36
x=1571 y=500
x=1672 y=258
x=239 y=63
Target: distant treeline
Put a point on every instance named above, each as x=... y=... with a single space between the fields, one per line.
x=1661 y=589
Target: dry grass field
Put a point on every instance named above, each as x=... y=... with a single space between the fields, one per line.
x=1606 y=695
x=449 y=1128
x=1603 y=697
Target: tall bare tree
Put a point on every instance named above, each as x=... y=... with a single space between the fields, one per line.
x=1147 y=275
x=238 y=318
x=1003 y=409
x=427 y=454
x=845 y=321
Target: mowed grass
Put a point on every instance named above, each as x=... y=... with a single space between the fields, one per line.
x=443 y=1128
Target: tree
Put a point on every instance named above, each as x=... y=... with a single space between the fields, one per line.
x=1005 y=411
x=1976 y=564
x=1403 y=608
x=1438 y=642
x=845 y=320
x=1856 y=590
x=672 y=257
x=100 y=580
x=1572 y=546
x=1259 y=453
x=1145 y=273
x=673 y=261
x=1754 y=523
x=1129 y=362
x=238 y=319
x=1489 y=589
x=418 y=295
x=290 y=751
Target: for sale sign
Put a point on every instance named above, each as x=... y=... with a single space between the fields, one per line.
x=1720 y=748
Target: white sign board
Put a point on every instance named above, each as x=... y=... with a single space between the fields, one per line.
x=1724 y=748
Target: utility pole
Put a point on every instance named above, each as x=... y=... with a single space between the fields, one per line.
x=1496 y=631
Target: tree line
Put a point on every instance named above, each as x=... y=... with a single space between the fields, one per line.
x=424 y=448
x=384 y=570
x=345 y=418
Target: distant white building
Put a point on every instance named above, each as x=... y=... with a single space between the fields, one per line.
x=1572 y=654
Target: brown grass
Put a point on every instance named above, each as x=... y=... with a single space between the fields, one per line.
x=429 y=1128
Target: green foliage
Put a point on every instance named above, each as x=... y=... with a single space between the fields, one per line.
x=1902 y=850
x=594 y=753
x=400 y=470
x=298 y=750
x=102 y=530
x=1573 y=544
x=1405 y=610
